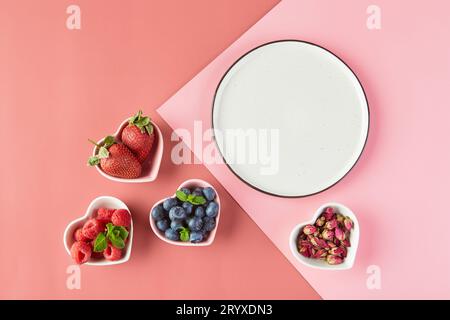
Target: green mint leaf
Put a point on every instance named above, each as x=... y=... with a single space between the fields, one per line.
x=103 y=153
x=109 y=228
x=184 y=234
x=123 y=233
x=93 y=161
x=100 y=242
x=116 y=241
x=198 y=200
x=181 y=195
x=108 y=141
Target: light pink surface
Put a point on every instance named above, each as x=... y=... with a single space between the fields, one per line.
x=399 y=188
x=60 y=87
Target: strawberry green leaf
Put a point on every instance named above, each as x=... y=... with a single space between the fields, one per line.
x=181 y=195
x=93 y=161
x=184 y=234
x=103 y=153
x=108 y=141
x=149 y=128
x=100 y=242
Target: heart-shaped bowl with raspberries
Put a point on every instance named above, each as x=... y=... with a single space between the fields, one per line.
x=329 y=240
x=92 y=212
x=195 y=229
x=150 y=166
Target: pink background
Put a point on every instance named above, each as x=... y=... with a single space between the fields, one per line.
x=399 y=188
x=58 y=88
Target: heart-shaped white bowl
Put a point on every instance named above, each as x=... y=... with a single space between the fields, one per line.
x=91 y=211
x=150 y=167
x=320 y=264
x=192 y=183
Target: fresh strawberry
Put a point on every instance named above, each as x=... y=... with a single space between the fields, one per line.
x=138 y=136
x=116 y=160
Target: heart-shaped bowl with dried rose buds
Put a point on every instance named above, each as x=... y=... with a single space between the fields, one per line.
x=329 y=240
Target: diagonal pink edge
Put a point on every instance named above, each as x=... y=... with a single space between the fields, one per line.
x=389 y=189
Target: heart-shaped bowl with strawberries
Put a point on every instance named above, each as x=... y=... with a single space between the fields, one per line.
x=189 y=184
x=325 y=248
x=91 y=212
x=150 y=166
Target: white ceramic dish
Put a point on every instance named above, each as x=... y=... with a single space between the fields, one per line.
x=91 y=211
x=320 y=264
x=192 y=183
x=150 y=167
x=310 y=98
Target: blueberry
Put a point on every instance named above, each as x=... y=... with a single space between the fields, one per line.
x=199 y=212
x=158 y=212
x=196 y=237
x=212 y=209
x=169 y=203
x=177 y=213
x=209 y=223
x=187 y=207
x=163 y=224
x=172 y=235
x=195 y=224
x=209 y=193
x=197 y=192
x=176 y=225
x=186 y=191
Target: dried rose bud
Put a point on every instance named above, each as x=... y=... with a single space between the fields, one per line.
x=340 y=218
x=337 y=251
x=305 y=251
x=314 y=241
x=346 y=243
x=340 y=235
x=322 y=253
x=320 y=222
x=334 y=259
x=309 y=229
x=331 y=244
x=322 y=243
x=328 y=234
x=316 y=234
x=348 y=223
x=332 y=224
x=305 y=243
x=328 y=213
x=344 y=252
x=337 y=242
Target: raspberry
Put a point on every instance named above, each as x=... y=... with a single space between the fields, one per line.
x=92 y=228
x=121 y=217
x=81 y=252
x=105 y=214
x=112 y=253
x=78 y=235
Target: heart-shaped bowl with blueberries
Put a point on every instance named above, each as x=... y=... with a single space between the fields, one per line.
x=148 y=165
x=103 y=235
x=329 y=241
x=188 y=218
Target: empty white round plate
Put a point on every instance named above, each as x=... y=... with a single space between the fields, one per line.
x=290 y=118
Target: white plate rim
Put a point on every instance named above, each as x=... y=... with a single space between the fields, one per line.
x=320 y=47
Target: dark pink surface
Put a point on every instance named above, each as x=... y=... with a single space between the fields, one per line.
x=58 y=88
